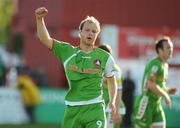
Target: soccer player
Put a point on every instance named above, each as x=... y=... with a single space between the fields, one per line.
x=120 y=108
x=148 y=110
x=85 y=66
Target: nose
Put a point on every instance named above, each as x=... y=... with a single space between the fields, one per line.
x=90 y=33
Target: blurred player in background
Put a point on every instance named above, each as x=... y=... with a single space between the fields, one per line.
x=148 y=110
x=120 y=108
x=85 y=66
x=128 y=97
x=30 y=94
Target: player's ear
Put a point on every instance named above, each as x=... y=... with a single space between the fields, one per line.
x=79 y=34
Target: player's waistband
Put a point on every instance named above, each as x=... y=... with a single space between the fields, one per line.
x=98 y=99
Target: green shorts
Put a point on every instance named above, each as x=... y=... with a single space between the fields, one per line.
x=147 y=112
x=85 y=116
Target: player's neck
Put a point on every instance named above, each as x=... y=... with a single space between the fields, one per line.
x=162 y=59
x=86 y=48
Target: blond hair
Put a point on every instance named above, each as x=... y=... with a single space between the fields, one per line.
x=89 y=19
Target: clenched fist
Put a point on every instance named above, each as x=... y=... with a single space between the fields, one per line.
x=171 y=90
x=41 y=12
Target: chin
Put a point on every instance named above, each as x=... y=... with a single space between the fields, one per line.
x=89 y=43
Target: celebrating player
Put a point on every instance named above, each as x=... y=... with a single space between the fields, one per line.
x=85 y=66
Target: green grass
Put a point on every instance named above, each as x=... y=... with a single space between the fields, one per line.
x=31 y=126
x=35 y=126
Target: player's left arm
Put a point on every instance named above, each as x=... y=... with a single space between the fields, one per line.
x=117 y=117
x=118 y=76
x=112 y=85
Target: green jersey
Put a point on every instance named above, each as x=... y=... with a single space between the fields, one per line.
x=156 y=71
x=84 y=72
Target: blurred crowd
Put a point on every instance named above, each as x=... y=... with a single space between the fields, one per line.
x=12 y=60
x=15 y=73
x=14 y=70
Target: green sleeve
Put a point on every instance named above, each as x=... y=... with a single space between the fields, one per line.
x=62 y=50
x=152 y=71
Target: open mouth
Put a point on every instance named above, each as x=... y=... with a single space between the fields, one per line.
x=89 y=38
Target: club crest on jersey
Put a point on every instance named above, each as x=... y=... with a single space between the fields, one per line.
x=97 y=63
x=154 y=69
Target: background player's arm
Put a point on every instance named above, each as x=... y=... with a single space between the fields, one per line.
x=152 y=86
x=43 y=34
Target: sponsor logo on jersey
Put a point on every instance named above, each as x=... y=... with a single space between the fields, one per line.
x=154 y=77
x=142 y=107
x=85 y=70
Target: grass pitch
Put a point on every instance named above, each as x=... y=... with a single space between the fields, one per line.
x=31 y=126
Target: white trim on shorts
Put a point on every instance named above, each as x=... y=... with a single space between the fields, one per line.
x=159 y=123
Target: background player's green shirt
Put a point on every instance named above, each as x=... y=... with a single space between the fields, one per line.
x=84 y=71
x=156 y=71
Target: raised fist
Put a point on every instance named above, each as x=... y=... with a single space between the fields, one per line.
x=41 y=12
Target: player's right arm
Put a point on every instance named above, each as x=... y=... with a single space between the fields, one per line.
x=151 y=85
x=152 y=70
x=42 y=31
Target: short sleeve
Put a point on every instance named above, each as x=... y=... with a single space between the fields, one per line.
x=118 y=77
x=109 y=67
x=152 y=72
x=62 y=50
